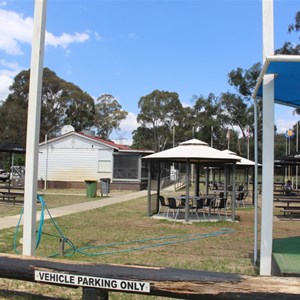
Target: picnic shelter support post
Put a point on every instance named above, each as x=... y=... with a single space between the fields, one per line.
x=233 y=192
x=33 y=126
x=158 y=187
x=149 y=188
x=268 y=145
x=187 y=190
x=197 y=179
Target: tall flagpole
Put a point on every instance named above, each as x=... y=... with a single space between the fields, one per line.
x=33 y=126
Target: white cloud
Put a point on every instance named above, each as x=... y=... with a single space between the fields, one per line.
x=184 y=104
x=65 y=39
x=98 y=37
x=285 y=118
x=130 y=123
x=15 y=30
x=9 y=71
x=5 y=82
x=283 y=125
x=124 y=135
x=132 y=35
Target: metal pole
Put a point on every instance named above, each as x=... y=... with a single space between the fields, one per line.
x=187 y=190
x=297 y=149
x=248 y=144
x=46 y=167
x=173 y=136
x=149 y=189
x=212 y=136
x=255 y=182
x=268 y=145
x=33 y=126
x=233 y=199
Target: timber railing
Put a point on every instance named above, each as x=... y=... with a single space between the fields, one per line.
x=97 y=280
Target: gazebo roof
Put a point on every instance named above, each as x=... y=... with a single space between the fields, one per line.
x=12 y=148
x=195 y=151
x=243 y=161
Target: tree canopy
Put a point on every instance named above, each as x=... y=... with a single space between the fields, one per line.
x=108 y=115
x=62 y=103
x=159 y=112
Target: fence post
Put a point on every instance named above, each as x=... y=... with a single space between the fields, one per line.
x=94 y=294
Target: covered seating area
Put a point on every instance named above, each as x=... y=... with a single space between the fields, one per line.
x=194 y=204
x=211 y=207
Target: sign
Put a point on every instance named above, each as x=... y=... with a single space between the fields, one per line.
x=289 y=133
x=94 y=282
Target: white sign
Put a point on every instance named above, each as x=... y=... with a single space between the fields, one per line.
x=96 y=282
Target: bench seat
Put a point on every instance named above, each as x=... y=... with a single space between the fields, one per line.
x=8 y=198
x=287 y=207
x=290 y=212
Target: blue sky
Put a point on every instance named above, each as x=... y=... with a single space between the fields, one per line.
x=130 y=48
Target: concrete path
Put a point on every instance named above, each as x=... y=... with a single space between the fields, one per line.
x=11 y=221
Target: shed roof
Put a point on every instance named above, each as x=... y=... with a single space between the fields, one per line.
x=119 y=147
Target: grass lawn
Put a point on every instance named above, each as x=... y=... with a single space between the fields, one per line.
x=121 y=224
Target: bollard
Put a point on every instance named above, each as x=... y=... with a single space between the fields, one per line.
x=62 y=246
x=94 y=294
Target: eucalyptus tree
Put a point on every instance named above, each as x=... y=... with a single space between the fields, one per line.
x=292 y=48
x=239 y=106
x=238 y=113
x=209 y=120
x=108 y=115
x=62 y=103
x=160 y=111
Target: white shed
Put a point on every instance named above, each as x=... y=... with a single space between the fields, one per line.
x=72 y=158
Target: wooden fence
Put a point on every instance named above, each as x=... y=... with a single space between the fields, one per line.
x=97 y=280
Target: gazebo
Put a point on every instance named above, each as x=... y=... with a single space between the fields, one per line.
x=192 y=152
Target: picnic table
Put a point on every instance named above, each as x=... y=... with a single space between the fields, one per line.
x=10 y=193
x=286 y=208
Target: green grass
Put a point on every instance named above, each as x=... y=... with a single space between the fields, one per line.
x=126 y=222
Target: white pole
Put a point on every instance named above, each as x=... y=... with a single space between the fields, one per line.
x=248 y=143
x=255 y=182
x=268 y=144
x=212 y=136
x=33 y=126
x=47 y=157
x=297 y=149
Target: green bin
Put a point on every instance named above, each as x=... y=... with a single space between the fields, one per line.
x=91 y=188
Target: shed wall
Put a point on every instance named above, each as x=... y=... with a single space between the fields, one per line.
x=74 y=159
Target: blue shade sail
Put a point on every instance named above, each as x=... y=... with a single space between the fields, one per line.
x=287 y=79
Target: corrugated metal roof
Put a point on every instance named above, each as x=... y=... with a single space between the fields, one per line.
x=119 y=147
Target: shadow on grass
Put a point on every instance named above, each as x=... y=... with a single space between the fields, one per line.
x=289 y=245
x=5 y=294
